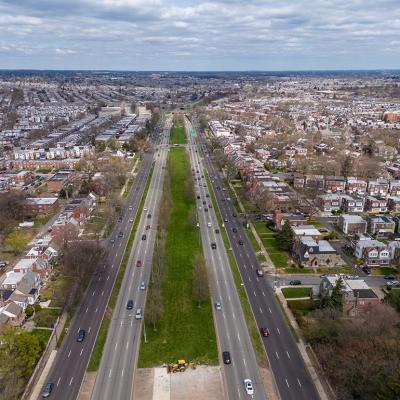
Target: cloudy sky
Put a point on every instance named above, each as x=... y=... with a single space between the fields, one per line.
x=200 y=35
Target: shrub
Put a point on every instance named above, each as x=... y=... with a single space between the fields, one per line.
x=38 y=307
x=29 y=311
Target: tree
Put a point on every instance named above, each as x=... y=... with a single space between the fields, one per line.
x=200 y=280
x=390 y=389
x=346 y=166
x=17 y=241
x=29 y=311
x=335 y=301
x=284 y=237
x=154 y=306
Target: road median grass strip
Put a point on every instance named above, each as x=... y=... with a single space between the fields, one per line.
x=251 y=323
x=178 y=135
x=95 y=358
x=183 y=329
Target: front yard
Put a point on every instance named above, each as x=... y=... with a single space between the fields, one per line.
x=296 y=292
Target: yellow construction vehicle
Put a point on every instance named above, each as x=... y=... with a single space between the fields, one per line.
x=180 y=366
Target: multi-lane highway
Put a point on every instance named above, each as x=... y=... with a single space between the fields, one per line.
x=230 y=323
x=291 y=376
x=69 y=367
x=115 y=377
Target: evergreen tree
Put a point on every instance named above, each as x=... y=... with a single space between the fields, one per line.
x=284 y=238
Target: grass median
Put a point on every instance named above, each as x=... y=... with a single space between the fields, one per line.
x=183 y=329
x=95 y=358
x=178 y=135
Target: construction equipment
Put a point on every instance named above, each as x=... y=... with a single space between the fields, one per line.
x=180 y=366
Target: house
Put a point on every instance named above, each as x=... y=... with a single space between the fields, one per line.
x=351 y=224
x=11 y=280
x=38 y=265
x=394 y=188
x=378 y=187
x=375 y=204
x=27 y=290
x=356 y=186
x=358 y=297
x=41 y=206
x=316 y=253
x=372 y=252
x=314 y=181
x=393 y=203
x=380 y=225
x=306 y=230
x=294 y=219
x=334 y=184
x=351 y=204
x=12 y=314
x=328 y=202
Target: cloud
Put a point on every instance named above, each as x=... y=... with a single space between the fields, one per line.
x=201 y=34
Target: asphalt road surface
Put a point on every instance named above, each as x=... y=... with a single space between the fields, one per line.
x=69 y=367
x=115 y=377
x=291 y=376
x=230 y=323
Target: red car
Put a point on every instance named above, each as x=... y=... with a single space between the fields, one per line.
x=264 y=332
x=210 y=206
x=138 y=263
x=147 y=227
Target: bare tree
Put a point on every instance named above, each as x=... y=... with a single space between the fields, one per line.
x=200 y=280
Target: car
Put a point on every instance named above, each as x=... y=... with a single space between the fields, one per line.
x=259 y=272
x=264 y=331
x=138 y=314
x=198 y=197
x=389 y=277
x=48 y=388
x=204 y=203
x=226 y=356
x=234 y=230
x=144 y=237
x=120 y=234
x=218 y=306
x=138 y=263
x=81 y=335
x=240 y=242
x=234 y=215
x=205 y=209
x=295 y=282
x=112 y=240
x=248 y=386
x=130 y=208
x=130 y=220
x=129 y=304
x=366 y=270
x=217 y=231
x=148 y=215
x=147 y=227
x=213 y=246
x=322 y=276
x=210 y=206
x=225 y=219
x=222 y=199
x=207 y=195
x=144 y=208
x=119 y=219
x=142 y=286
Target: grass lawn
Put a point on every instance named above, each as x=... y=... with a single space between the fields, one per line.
x=384 y=271
x=336 y=270
x=184 y=330
x=56 y=289
x=292 y=293
x=47 y=316
x=95 y=359
x=290 y=270
x=178 y=135
x=43 y=335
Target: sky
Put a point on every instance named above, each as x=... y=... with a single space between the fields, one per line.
x=185 y=35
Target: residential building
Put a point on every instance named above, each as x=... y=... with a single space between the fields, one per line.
x=41 y=206
x=334 y=184
x=372 y=252
x=380 y=225
x=316 y=253
x=351 y=224
x=375 y=204
x=351 y=204
x=328 y=202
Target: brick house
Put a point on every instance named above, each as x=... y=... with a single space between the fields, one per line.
x=378 y=187
x=293 y=219
x=351 y=204
x=356 y=186
x=372 y=252
x=380 y=225
x=41 y=206
x=351 y=224
x=393 y=203
x=375 y=204
x=334 y=184
x=328 y=202
x=394 y=188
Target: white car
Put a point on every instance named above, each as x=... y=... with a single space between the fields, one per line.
x=144 y=208
x=209 y=224
x=248 y=386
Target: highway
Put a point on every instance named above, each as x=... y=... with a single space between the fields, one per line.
x=69 y=367
x=291 y=376
x=115 y=377
x=230 y=323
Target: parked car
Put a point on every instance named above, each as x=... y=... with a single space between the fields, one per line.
x=147 y=227
x=81 y=335
x=234 y=230
x=248 y=386
x=389 y=277
x=148 y=215
x=226 y=356
x=129 y=305
x=48 y=388
x=295 y=282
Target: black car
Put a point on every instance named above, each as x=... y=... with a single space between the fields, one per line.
x=295 y=282
x=121 y=234
x=234 y=215
x=226 y=356
x=198 y=197
x=148 y=215
x=366 y=270
x=390 y=277
x=213 y=246
x=81 y=335
x=207 y=195
x=129 y=305
x=48 y=388
x=217 y=231
x=120 y=219
x=144 y=237
x=205 y=209
x=240 y=242
x=204 y=202
x=234 y=230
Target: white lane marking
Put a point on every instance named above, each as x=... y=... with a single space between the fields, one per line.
x=298 y=381
x=261 y=311
x=257 y=279
x=102 y=292
x=87 y=309
x=269 y=310
x=238 y=337
x=254 y=294
x=71 y=381
x=112 y=266
x=69 y=353
x=59 y=379
x=89 y=329
x=109 y=374
x=99 y=278
x=279 y=332
x=127 y=345
x=81 y=352
x=116 y=344
x=122 y=372
x=287 y=383
x=131 y=323
x=121 y=323
x=287 y=353
x=263 y=293
x=97 y=309
x=93 y=293
x=277 y=356
x=108 y=277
